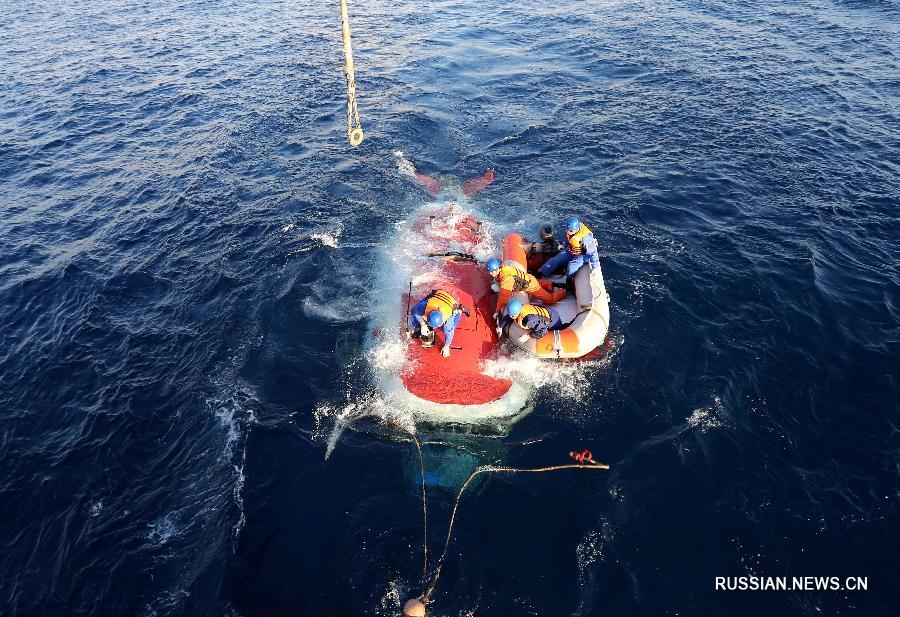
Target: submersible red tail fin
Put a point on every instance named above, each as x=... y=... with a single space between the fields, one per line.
x=429 y=183
x=473 y=185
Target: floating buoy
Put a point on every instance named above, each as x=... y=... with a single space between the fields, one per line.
x=413 y=608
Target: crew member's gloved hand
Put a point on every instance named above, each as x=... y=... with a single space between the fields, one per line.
x=426 y=331
x=445 y=351
x=523 y=338
x=499 y=331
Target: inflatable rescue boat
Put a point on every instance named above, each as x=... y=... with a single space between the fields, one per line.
x=455 y=388
x=586 y=312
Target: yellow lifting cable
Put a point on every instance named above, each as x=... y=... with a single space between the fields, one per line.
x=354 y=128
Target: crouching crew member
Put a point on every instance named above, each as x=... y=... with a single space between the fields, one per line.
x=511 y=278
x=535 y=320
x=438 y=309
x=581 y=248
x=537 y=253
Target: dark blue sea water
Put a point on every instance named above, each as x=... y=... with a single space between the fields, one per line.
x=187 y=251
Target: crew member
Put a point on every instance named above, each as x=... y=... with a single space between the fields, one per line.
x=511 y=278
x=581 y=248
x=438 y=309
x=537 y=253
x=535 y=320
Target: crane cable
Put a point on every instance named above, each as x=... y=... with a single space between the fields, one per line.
x=354 y=128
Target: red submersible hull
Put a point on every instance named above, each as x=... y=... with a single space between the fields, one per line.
x=457 y=388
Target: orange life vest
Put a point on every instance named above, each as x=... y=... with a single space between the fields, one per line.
x=574 y=238
x=520 y=280
x=531 y=309
x=442 y=302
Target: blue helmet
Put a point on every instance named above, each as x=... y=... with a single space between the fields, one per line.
x=514 y=307
x=573 y=224
x=435 y=319
x=492 y=264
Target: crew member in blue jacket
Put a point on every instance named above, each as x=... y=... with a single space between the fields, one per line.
x=438 y=309
x=536 y=320
x=581 y=248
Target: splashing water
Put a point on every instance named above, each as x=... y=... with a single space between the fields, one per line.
x=380 y=406
x=331 y=239
x=404 y=166
x=710 y=417
x=568 y=380
x=162 y=530
x=589 y=550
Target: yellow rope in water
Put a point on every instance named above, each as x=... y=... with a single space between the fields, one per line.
x=416 y=441
x=426 y=597
x=424 y=513
x=589 y=464
x=354 y=128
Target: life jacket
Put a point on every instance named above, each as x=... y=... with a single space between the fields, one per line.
x=441 y=301
x=530 y=309
x=519 y=278
x=574 y=238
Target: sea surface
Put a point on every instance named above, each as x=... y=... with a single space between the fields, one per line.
x=191 y=254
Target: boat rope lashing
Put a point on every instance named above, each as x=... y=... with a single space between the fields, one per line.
x=354 y=128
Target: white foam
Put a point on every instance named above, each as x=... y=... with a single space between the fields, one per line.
x=589 y=550
x=331 y=239
x=231 y=413
x=321 y=302
x=404 y=166
x=162 y=530
x=379 y=405
x=166 y=603
x=238 y=493
x=710 y=417
x=235 y=414
x=566 y=380
x=390 y=601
